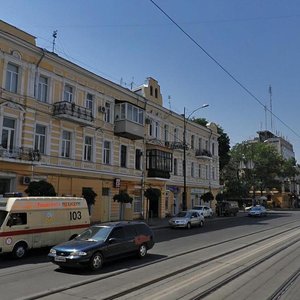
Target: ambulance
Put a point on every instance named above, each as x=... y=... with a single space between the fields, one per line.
x=35 y=222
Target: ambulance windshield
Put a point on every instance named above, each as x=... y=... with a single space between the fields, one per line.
x=3 y=214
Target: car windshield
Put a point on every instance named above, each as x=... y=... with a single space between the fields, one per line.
x=183 y=214
x=95 y=233
x=3 y=215
x=256 y=208
x=198 y=207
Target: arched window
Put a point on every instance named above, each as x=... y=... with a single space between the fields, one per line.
x=155 y=93
x=151 y=90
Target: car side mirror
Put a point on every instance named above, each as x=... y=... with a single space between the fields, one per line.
x=112 y=240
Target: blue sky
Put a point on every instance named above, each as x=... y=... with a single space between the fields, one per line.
x=258 y=42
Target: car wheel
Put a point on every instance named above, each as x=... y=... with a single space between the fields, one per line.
x=188 y=225
x=142 y=251
x=201 y=224
x=19 y=250
x=96 y=261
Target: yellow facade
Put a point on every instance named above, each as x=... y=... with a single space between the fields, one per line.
x=63 y=124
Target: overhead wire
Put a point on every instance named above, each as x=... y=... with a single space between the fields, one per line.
x=224 y=69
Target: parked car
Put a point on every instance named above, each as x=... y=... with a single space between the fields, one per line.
x=258 y=211
x=227 y=208
x=187 y=219
x=100 y=243
x=205 y=210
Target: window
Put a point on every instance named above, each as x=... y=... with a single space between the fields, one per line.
x=157 y=130
x=166 y=133
x=175 y=166
x=200 y=171
x=206 y=145
x=137 y=204
x=12 y=78
x=175 y=135
x=151 y=128
x=106 y=152
x=40 y=138
x=138 y=159
x=127 y=111
x=213 y=173
x=105 y=191
x=66 y=144
x=151 y=90
x=213 y=148
x=88 y=148
x=89 y=101
x=123 y=157
x=192 y=141
x=206 y=172
x=8 y=133
x=200 y=143
x=42 y=92
x=107 y=115
x=17 y=219
x=68 y=93
x=192 y=169
x=156 y=93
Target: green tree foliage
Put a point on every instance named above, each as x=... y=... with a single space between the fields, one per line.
x=123 y=197
x=40 y=188
x=207 y=197
x=255 y=167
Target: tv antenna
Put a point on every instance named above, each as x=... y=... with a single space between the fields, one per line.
x=54 y=35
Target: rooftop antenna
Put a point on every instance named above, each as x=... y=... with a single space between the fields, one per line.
x=131 y=84
x=270 y=92
x=169 y=99
x=54 y=35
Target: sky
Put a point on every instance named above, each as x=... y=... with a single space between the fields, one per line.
x=225 y=53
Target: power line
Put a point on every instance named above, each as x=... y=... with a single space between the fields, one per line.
x=224 y=69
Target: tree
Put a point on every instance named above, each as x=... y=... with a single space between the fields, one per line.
x=90 y=196
x=207 y=197
x=253 y=167
x=123 y=197
x=40 y=188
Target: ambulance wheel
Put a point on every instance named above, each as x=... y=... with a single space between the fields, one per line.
x=96 y=261
x=19 y=250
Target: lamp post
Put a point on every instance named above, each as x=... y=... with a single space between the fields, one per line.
x=184 y=207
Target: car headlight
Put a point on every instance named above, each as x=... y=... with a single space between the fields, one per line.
x=78 y=253
x=52 y=251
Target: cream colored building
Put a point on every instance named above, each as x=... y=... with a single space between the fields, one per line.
x=63 y=124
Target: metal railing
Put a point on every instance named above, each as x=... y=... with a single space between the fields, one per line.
x=71 y=109
x=22 y=153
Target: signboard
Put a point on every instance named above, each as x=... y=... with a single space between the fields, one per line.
x=117 y=182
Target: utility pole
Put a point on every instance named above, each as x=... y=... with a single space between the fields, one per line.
x=184 y=162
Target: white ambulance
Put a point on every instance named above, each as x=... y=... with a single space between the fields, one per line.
x=34 y=222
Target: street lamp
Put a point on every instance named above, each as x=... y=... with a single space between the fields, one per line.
x=184 y=152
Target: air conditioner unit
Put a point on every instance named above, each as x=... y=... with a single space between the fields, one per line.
x=101 y=109
x=26 y=180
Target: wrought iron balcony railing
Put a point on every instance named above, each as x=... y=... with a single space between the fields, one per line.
x=73 y=112
x=201 y=153
x=22 y=153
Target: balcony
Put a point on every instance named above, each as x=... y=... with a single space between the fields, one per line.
x=176 y=145
x=72 y=112
x=203 y=154
x=21 y=153
x=129 y=129
x=158 y=163
x=129 y=121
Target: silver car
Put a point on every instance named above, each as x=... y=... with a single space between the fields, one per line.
x=258 y=211
x=187 y=219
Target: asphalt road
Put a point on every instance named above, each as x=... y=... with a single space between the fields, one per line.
x=182 y=265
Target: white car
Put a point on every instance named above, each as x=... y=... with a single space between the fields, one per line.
x=187 y=219
x=206 y=211
x=258 y=211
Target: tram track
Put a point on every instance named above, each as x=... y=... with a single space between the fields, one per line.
x=170 y=274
